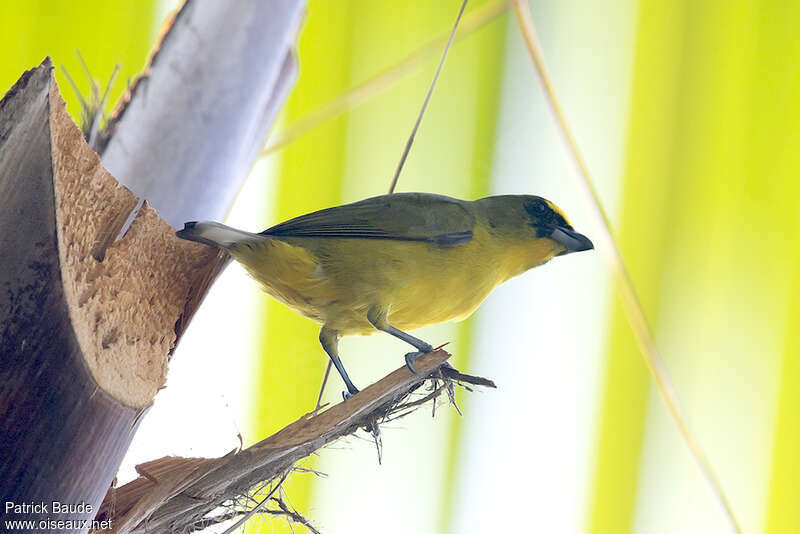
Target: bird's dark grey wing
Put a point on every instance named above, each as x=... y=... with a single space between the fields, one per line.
x=402 y=216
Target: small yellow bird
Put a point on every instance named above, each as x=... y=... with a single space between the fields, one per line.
x=396 y=262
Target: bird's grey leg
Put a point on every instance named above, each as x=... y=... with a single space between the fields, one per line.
x=377 y=319
x=330 y=342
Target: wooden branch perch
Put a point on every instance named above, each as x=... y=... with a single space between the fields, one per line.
x=87 y=324
x=174 y=494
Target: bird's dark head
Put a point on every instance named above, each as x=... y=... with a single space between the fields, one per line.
x=536 y=222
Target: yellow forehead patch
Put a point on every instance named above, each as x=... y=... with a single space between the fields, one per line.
x=557 y=210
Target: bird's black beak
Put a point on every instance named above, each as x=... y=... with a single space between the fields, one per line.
x=572 y=240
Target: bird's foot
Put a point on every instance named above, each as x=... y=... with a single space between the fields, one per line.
x=411 y=356
x=351 y=390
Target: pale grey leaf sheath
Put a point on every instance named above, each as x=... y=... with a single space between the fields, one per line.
x=190 y=134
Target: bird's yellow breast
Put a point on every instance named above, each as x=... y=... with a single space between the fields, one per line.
x=336 y=281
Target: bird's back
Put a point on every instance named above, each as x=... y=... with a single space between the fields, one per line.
x=399 y=217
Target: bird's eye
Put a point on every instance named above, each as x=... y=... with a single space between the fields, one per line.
x=536 y=207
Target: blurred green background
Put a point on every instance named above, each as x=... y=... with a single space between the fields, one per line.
x=688 y=114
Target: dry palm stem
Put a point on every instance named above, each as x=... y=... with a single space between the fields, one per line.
x=630 y=300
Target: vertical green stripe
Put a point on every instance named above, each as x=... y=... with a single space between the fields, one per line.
x=486 y=73
x=646 y=208
x=783 y=512
x=778 y=83
x=310 y=177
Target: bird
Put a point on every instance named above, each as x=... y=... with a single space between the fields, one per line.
x=395 y=263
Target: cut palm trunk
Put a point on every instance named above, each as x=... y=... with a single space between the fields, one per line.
x=88 y=322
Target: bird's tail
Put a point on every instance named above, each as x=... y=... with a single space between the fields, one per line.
x=214 y=234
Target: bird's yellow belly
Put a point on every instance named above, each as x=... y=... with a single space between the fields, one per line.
x=337 y=281
x=437 y=299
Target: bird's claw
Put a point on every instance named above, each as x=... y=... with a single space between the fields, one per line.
x=410 y=357
x=347 y=394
